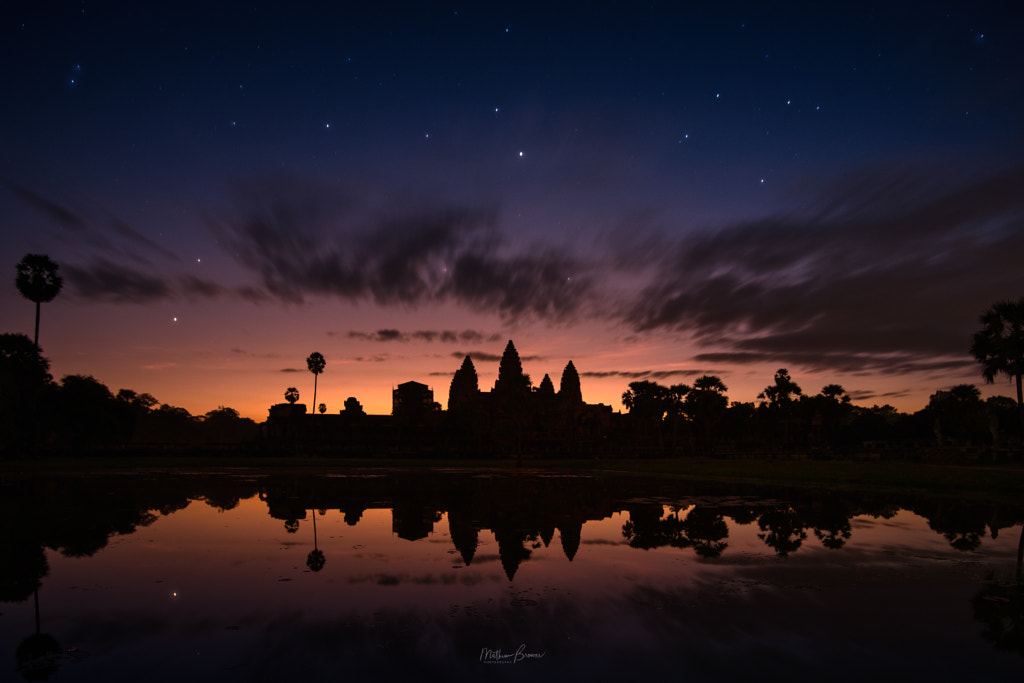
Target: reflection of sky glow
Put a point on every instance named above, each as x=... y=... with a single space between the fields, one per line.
x=244 y=597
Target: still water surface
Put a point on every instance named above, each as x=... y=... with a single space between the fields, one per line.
x=487 y=576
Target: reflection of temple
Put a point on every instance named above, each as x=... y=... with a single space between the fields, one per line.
x=412 y=402
x=522 y=512
x=76 y=516
x=413 y=520
x=465 y=537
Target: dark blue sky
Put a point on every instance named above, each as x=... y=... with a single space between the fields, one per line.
x=832 y=188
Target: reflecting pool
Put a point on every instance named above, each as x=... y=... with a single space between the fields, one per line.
x=480 y=575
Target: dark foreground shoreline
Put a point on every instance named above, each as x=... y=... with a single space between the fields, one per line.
x=1003 y=482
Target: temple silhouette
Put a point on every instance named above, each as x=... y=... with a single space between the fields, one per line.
x=512 y=418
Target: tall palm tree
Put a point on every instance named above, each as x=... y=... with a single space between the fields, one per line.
x=316 y=364
x=38 y=281
x=999 y=344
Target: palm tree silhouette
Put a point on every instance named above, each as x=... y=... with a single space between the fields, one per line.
x=291 y=394
x=316 y=364
x=38 y=281
x=999 y=345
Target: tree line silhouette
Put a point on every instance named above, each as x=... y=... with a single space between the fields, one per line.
x=80 y=414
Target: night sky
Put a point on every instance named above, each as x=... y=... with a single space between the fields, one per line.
x=652 y=190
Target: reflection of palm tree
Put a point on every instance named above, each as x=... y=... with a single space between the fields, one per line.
x=1000 y=609
x=1020 y=557
x=38 y=655
x=316 y=364
x=315 y=560
x=38 y=281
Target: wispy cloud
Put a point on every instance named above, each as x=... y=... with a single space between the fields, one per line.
x=877 y=270
x=642 y=374
x=488 y=357
x=882 y=273
x=442 y=336
x=302 y=240
x=106 y=235
x=106 y=280
x=59 y=214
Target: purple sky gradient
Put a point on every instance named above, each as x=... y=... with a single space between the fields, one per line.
x=652 y=192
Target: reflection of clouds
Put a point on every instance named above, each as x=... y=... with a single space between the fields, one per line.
x=445 y=579
x=768 y=620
